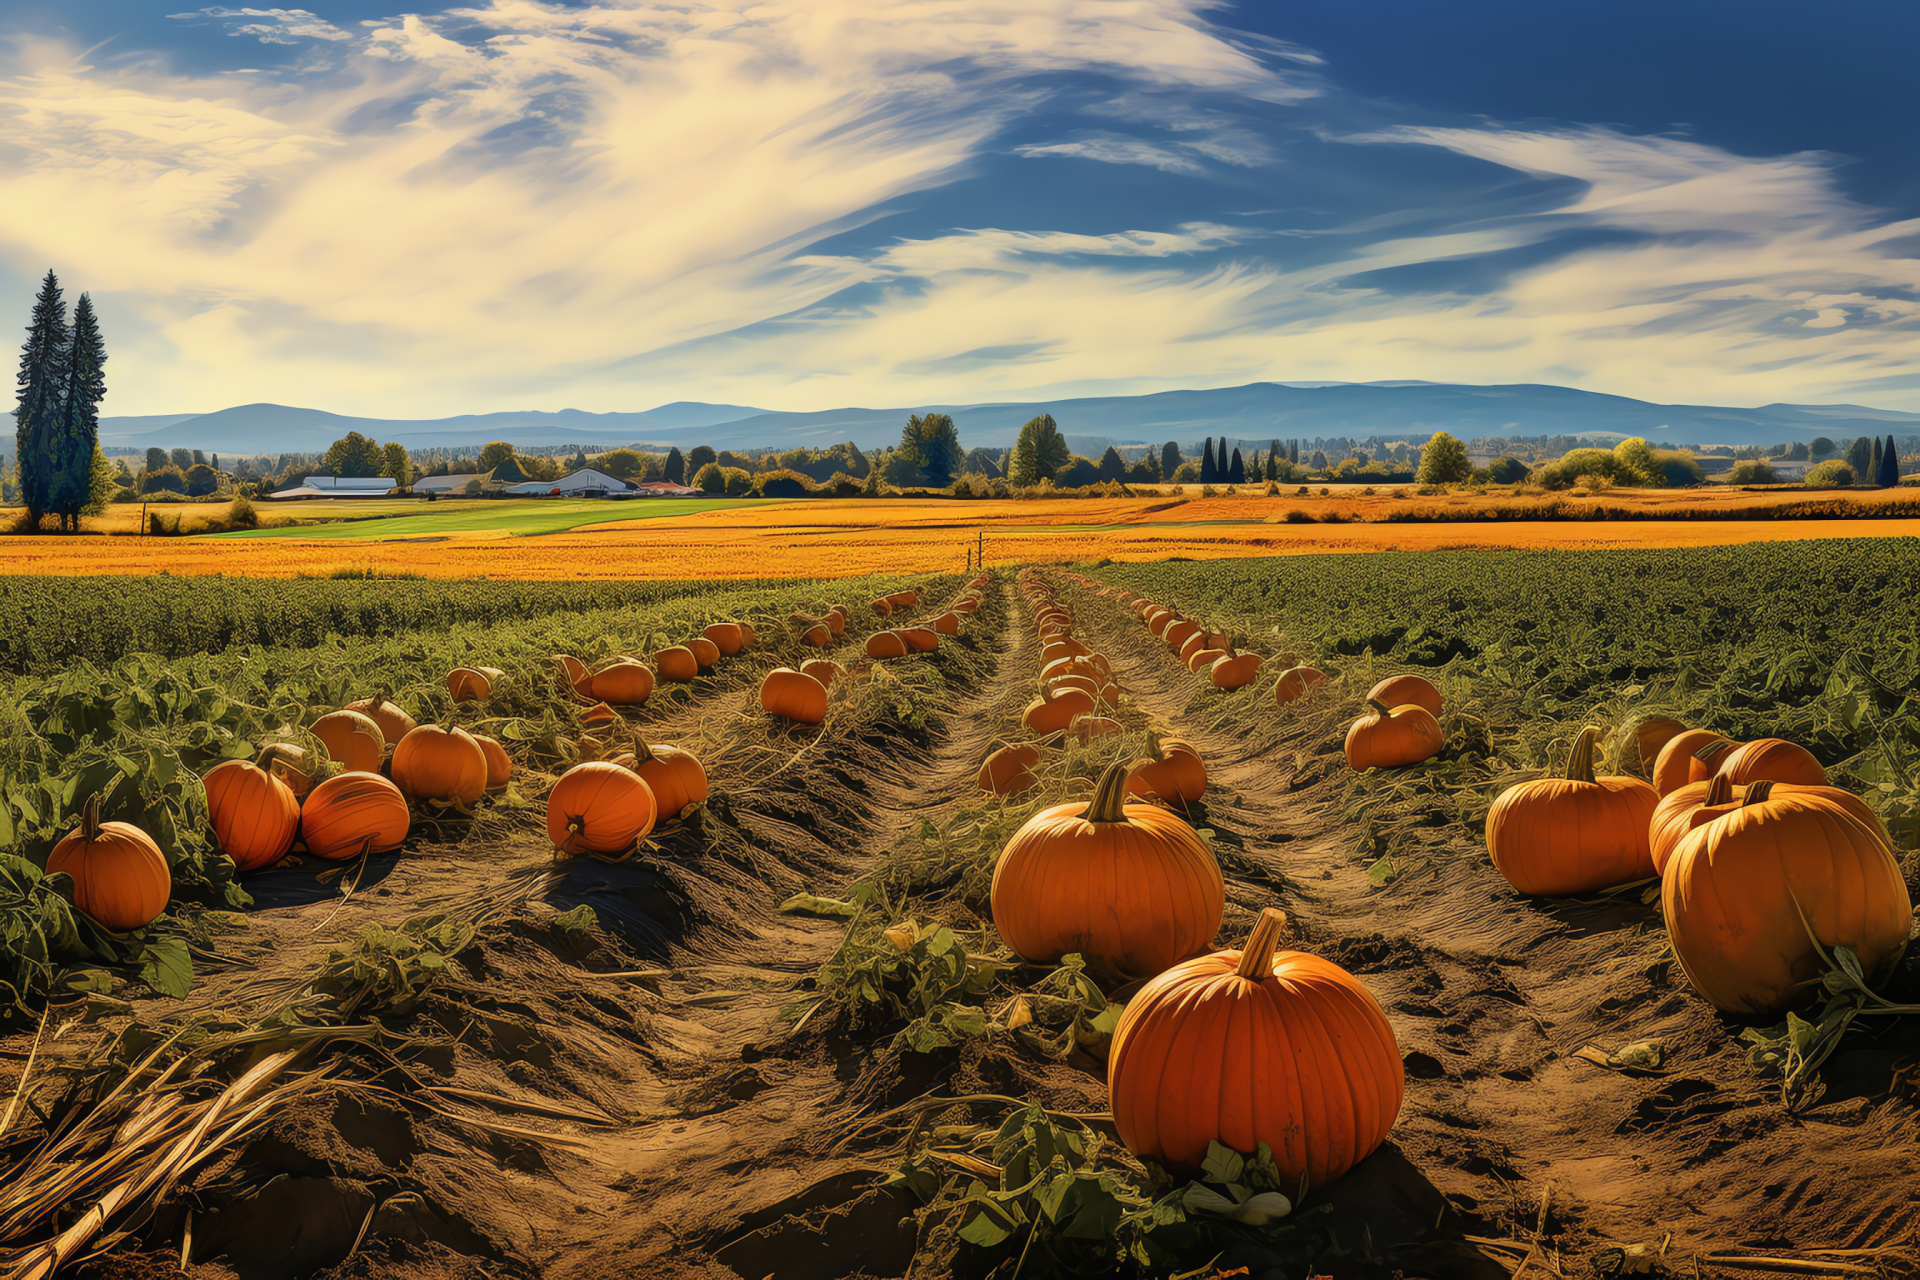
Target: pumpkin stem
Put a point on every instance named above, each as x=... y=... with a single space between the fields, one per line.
x=1109 y=803
x=268 y=754
x=1719 y=791
x=1711 y=752
x=1380 y=707
x=1757 y=792
x=642 y=753
x=90 y=819
x=1580 y=763
x=1256 y=958
x=1154 y=750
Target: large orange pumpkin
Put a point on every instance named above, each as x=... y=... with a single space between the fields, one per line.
x=1771 y=760
x=1741 y=893
x=624 y=682
x=886 y=644
x=1554 y=837
x=1177 y=634
x=1393 y=736
x=1698 y=803
x=1131 y=885
x=573 y=673
x=825 y=670
x=1234 y=670
x=1407 y=690
x=1009 y=770
x=472 y=684
x=445 y=766
x=1296 y=683
x=1053 y=712
x=1245 y=1047
x=947 y=624
x=1173 y=772
x=120 y=877
x=353 y=741
x=600 y=808
x=394 y=723
x=789 y=693
x=882 y=607
x=499 y=766
x=1676 y=765
x=705 y=652
x=727 y=638
x=817 y=636
x=677 y=662
x=920 y=639
x=836 y=620
x=1651 y=735
x=255 y=815
x=351 y=812
x=905 y=599
x=677 y=777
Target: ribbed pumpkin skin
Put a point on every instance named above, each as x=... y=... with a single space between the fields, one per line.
x=433 y=763
x=1178 y=777
x=676 y=662
x=1729 y=898
x=1142 y=895
x=499 y=766
x=1407 y=690
x=255 y=815
x=886 y=644
x=786 y=692
x=1553 y=837
x=1687 y=808
x=1772 y=760
x=342 y=812
x=1009 y=770
x=353 y=741
x=726 y=637
x=120 y=877
x=1235 y=671
x=676 y=777
x=1406 y=735
x=600 y=808
x=1296 y=682
x=1303 y=1061
x=623 y=684
x=1046 y=716
x=394 y=723
x=1675 y=766
x=705 y=652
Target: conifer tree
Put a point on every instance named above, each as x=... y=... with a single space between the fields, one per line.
x=1208 y=473
x=1873 y=464
x=36 y=416
x=76 y=444
x=675 y=471
x=1170 y=459
x=1890 y=464
x=1237 y=469
x=1273 y=459
x=1860 y=458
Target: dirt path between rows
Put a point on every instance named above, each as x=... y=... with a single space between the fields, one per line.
x=1504 y=1134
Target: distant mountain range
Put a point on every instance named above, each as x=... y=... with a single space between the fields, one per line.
x=1257 y=412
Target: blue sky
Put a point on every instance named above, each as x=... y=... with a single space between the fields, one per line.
x=803 y=204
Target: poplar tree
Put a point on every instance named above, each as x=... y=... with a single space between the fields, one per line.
x=675 y=471
x=1207 y=472
x=76 y=441
x=1170 y=459
x=36 y=417
x=1890 y=464
x=1273 y=459
x=1237 y=469
x=1873 y=464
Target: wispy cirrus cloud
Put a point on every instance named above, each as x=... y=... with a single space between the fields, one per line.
x=271 y=26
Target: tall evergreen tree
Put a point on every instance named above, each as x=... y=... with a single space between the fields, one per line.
x=1237 y=469
x=1873 y=464
x=675 y=471
x=1170 y=459
x=1112 y=466
x=1208 y=473
x=1890 y=464
x=1273 y=460
x=1860 y=458
x=36 y=416
x=157 y=459
x=76 y=443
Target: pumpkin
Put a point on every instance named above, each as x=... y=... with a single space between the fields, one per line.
x=967 y=605
x=789 y=693
x=1771 y=760
x=1172 y=771
x=1408 y=690
x=705 y=652
x=1053 y=712
x=255 y=815
x=677 y=663
x=1085 y=684
x=748 y=638
x=883 y=607
x=394 y=723
x=678 y=779
x=825 y=670
x=1393 y=736
x=1130 y=885
x=573 y=673
x=1554 y=837
x=624 y=682
x=1742 y=893
x=1252 y=1046
x=353 y=741
x=920 y=639
x=1199 y=660
x=600 y=808
x=1009 y=770
x=351 y=813
x=947 y=624
x=289 y=764
x=120 y=877
x=473 y=684
x=1177 y=634
x=1698 y=803
x=1296 y=683
x=726 y=637
x=1234 y=670
x=1652 y=734
x=1676 y=765
x=837 y=620
x=1195 y=643
x=886 y=644
x=904 y=599
x=1065 y=648
x=499 y=767
x=817 y=636
x=445 y=766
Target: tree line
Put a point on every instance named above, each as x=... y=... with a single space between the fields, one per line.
x=59 y=468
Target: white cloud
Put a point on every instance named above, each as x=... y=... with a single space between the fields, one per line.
x=282 y=26
x=1115 y=148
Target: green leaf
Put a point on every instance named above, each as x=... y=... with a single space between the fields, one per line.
x=167 y=966
x=807 y=904
x=98 y=981
x=1223 y=1164
x=984 y=1231
x=581 y=919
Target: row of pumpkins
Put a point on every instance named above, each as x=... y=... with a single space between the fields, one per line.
x=1756 y=853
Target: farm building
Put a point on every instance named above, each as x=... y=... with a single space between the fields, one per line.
x=338 y=487
x=584 y=483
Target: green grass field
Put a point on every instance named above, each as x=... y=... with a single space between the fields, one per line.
x=525 y=518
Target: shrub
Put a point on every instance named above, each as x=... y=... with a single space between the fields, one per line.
x=166 y=480
x=241 y=515
x=1443 y=460
x=1832 y=474
x=1753 y=471
x=1507 y=470
x=1297 y=516
x=783 y=484
x=710 y=479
